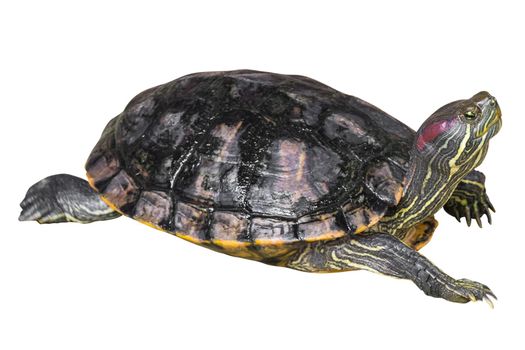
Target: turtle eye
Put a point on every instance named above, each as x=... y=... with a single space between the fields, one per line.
x=470 y=115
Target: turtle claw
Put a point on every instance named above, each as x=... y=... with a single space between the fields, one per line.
x=478 y=220
x=467 y=216
x=488 y=299
x=471 y=202
x=489 y=302
x=464 y=290
x=489 y=204
x=457 y=215
x=489 y=217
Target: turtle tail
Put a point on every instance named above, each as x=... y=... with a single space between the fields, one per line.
x=64 y=198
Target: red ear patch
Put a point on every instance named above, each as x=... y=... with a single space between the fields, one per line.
x=431 y=131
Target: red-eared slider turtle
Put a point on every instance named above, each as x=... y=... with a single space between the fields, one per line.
x=287 y=171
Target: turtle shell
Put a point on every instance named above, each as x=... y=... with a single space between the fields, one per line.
x=247 y=157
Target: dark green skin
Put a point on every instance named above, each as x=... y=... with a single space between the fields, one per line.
x=248 y=156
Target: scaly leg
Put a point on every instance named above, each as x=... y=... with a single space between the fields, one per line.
x=62 y=198
x=385 y=254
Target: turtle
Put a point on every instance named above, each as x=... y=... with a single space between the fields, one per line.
x=287 y=171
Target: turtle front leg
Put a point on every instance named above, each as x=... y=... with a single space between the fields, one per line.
x=470 y=200
x=385 y=254
x=62 y=198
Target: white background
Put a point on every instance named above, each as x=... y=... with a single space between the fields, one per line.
x=66 y=69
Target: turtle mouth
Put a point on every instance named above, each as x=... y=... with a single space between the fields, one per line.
x=493 y=123
x=494 y=127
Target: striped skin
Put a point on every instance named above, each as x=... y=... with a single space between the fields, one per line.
x=434 y=186
x=385 y=254
x=237 y=161
x=449 y=145
x=287 y=171
x=440 y=164
x=273 y=174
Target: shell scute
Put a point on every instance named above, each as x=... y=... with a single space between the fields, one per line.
x=251 y=157
x=311 y=228
x=191 y=221
x=121 y=191
x=154 y=207
x=229 y=226
x=268 y=229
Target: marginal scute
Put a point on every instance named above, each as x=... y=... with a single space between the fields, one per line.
x=267 y=229
x=311 y=228
x=191 y=221
x=360 y=218
x=154 y=207
x=229 y=226
x=102 y=168
x=121 y=191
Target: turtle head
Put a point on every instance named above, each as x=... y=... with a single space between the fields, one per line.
x=457 y=135
x=450 y=143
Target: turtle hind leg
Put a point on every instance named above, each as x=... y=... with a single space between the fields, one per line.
x=470 y=200
x=387 y=255
x=64 y=198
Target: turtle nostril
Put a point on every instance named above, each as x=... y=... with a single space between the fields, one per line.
x=492 y=102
